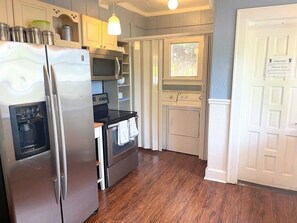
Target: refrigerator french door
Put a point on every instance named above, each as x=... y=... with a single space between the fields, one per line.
x=46 y=131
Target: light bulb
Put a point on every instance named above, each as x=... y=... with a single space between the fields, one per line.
x=172 y=4
x=114 y=26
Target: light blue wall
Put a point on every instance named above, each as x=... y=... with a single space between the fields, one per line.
x=223 y=42
x=97 y=87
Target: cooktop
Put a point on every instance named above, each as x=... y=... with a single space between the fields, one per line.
x=108 y=116
x=113 y=116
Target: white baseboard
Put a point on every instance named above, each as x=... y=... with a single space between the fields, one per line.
x=218 y=137
x=215 y=175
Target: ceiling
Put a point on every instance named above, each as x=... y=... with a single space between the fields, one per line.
x=159 y=7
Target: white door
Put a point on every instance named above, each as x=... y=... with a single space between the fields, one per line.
x=268 y=145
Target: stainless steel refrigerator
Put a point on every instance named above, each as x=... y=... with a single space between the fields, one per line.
x=47 y=142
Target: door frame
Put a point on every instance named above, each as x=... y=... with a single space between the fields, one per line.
x=271 y=15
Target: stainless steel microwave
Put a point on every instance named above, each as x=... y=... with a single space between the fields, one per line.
x=105 y=64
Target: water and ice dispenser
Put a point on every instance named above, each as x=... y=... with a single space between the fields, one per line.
x=29 y=129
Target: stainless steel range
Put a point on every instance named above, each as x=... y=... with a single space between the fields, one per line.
x=119 y=159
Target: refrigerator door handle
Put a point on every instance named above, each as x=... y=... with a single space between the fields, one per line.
x=53 y=130
x=64 y=175
x=118 y=66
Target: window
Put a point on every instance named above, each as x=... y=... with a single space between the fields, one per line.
x=183 y=59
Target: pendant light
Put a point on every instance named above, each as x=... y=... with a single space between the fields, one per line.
x=172 y=4
x=114 y=26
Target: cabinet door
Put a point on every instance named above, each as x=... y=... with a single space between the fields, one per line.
x=27 y=10
x=6 y=14
x=91 y=29
x=108 y=41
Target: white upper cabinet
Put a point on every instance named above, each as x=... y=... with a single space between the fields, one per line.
x=83 y=30
x=91 y=28
x=95 y=34
x=25 y=11
x=108 y=41
x=6 y=14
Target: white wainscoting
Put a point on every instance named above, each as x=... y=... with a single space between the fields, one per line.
x=218 y=135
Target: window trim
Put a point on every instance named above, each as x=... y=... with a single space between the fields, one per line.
x=167 y=79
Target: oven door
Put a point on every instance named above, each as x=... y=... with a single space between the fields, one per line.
x=115 y=152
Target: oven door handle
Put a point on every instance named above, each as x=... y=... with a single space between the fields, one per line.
x=113 y=125
x=117 y=124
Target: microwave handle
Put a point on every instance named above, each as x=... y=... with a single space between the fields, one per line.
x=119 y=68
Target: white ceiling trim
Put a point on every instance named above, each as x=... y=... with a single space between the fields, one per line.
x=103 y=4
x=205 y=31
x=132 y=8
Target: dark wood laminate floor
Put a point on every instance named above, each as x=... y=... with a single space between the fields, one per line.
x=169 y=187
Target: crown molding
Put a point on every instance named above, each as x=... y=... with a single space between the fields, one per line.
x=132 y=8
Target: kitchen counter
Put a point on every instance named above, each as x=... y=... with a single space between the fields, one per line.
x=99 y=154
x=97 y=124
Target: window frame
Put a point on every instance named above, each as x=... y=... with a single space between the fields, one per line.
x=186 y=80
